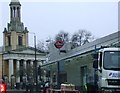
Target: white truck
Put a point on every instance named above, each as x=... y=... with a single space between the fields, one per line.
x=107 y=66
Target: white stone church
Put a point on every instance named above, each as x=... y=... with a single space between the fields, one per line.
x=17 y=59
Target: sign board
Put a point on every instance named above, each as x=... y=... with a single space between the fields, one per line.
x=59 y=44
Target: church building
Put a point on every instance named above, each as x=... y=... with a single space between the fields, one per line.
x=17 y=59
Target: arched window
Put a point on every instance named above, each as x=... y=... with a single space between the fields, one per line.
x=9 y=40
x=14 y=11
x=18 y=12
x=20 y=40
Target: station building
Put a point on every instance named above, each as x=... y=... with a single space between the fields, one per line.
x=75 y=66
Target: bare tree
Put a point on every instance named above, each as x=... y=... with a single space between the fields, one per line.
x=41 y=45
x=44 y=45
x=62 y=35
x=80 y=38
x=88 y=37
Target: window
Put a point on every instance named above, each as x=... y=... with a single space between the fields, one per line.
x=20 y=40
x=111 y=60
x=18 y=12
x=9 y=41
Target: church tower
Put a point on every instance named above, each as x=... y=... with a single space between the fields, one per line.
x=15 y=36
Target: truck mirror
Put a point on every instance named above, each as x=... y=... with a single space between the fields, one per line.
x=100 y=61
x=95 y=64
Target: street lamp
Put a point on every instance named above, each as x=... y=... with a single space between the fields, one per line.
x=36 y=74
x=36 y=70
x=2 y=63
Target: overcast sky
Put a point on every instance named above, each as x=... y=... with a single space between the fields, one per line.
x=46 y=18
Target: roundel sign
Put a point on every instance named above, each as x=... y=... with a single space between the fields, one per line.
x=59 y=44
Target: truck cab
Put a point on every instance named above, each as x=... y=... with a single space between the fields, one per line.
x=107 y=63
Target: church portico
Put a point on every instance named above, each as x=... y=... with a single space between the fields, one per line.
x=18 y=64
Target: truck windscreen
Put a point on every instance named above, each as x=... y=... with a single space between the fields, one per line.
x=111 y=60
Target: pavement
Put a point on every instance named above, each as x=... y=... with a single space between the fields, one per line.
x=15 y=91
x=20 y=91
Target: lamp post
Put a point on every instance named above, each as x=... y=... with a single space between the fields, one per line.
x=35 y=70
x=2 y=65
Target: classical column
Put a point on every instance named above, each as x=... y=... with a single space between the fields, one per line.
x=31 y=63
x=18 y=69
x=25 y=64
x=11 y=68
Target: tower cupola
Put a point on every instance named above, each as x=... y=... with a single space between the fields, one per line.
x=15 y=7
x=15 y=35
